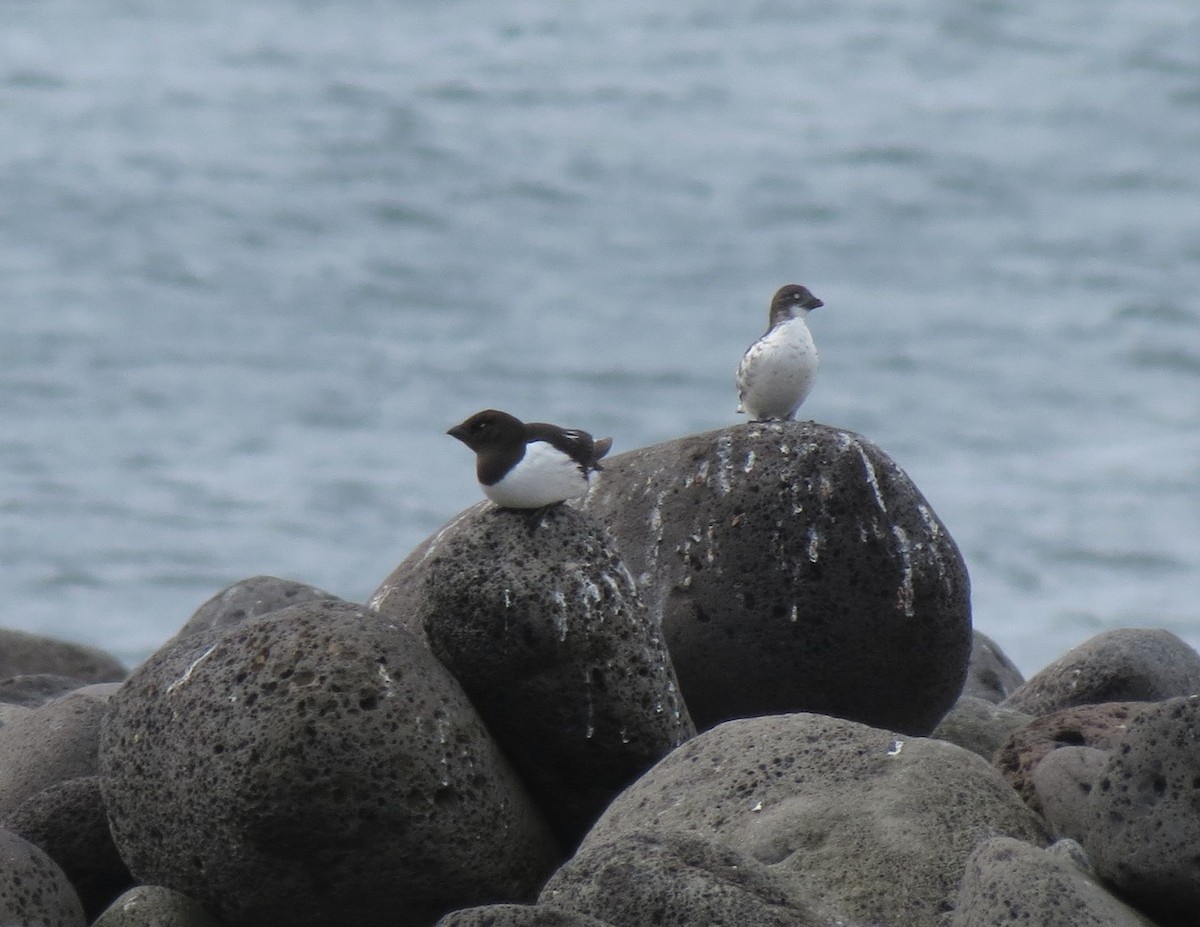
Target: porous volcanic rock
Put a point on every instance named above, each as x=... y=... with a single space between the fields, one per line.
x=861 y=823
x=991 y=675
x=1122 y=665
x=68 y=822
x=249 y=598
x=1099 y=726
x=979 y=725
x=49 y=744
x=1008 y=882
x=672 y=879
x=310 y=766
x=1144 y=834
x=796 y=567
x=543 y=625
x=34 y=892
x=155 y=906
x=1063 y=781
x=35 y=690
x=517 y=915
x=25 y=654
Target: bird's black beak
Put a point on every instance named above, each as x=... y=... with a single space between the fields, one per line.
x=812 y=303
x=458 y=431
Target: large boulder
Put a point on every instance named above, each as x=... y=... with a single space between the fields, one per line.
x=542 y=624
x=858 y=823
x=25 y=654
x=155 y=906
x=796 y=567
x=991 y=675
x=1099 y=726
x=249 y=598
x=34 y=892
x=69 y=823
x=1144 y=834
x=314 y=765
x=1008 y=882
x=1122 y=665
x=979 y=725
x=672 y=879
x=50 y=744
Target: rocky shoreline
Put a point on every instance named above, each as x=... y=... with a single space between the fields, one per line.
x=738 y=685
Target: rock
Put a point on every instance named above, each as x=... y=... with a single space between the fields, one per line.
x=860 y=823
x=1099 y=726
x=517 y=915
x=9 y=713
x=979 y=725
x=314 y=765
x=24 y=654
x=31 y=691
x=667 y=878
x=1063 y=781
x=50 y=744
x=68 y=822
x=155 y=906
x=249 y=598
x=1144 y=833
x=545 y=630
x=991 y=675
x=33 y=890
x=1009 y=882
x=1125 y=665
x=796 y=567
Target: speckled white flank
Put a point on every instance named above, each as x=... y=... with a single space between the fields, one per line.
x=777 y=371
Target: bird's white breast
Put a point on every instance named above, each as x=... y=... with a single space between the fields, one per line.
x=545 y=475
x=777 y=371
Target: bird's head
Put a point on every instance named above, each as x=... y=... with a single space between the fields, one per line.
x=487 y=428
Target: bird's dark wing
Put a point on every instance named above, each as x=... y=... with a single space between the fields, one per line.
x=579 y=445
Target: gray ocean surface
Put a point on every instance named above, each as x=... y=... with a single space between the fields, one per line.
x=256 y=257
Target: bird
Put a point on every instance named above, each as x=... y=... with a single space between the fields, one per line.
x=529 y=465
x=778 y=370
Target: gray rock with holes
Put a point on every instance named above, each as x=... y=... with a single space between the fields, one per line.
x=796 y=568
x=543 y=625
x=858 y=823
x=34 y=892
x=1099 y=726
x=1144 y=833
x=249 y=598
x=1123 y=665
x=1010 y=882
x=25 y=654
x=155 y=906
x=671 y=879
x=1063 y=782
x=517 y=915
x=991 y=675
x=50 y=744
x=68 y=821
x=979 y=725
x=314 y=765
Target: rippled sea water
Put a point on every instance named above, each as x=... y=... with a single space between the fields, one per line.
x=255 y=258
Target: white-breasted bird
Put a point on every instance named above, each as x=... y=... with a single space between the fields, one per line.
x=530 y=465
x=778 y=370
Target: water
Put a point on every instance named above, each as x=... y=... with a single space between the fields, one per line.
x=255 y=258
